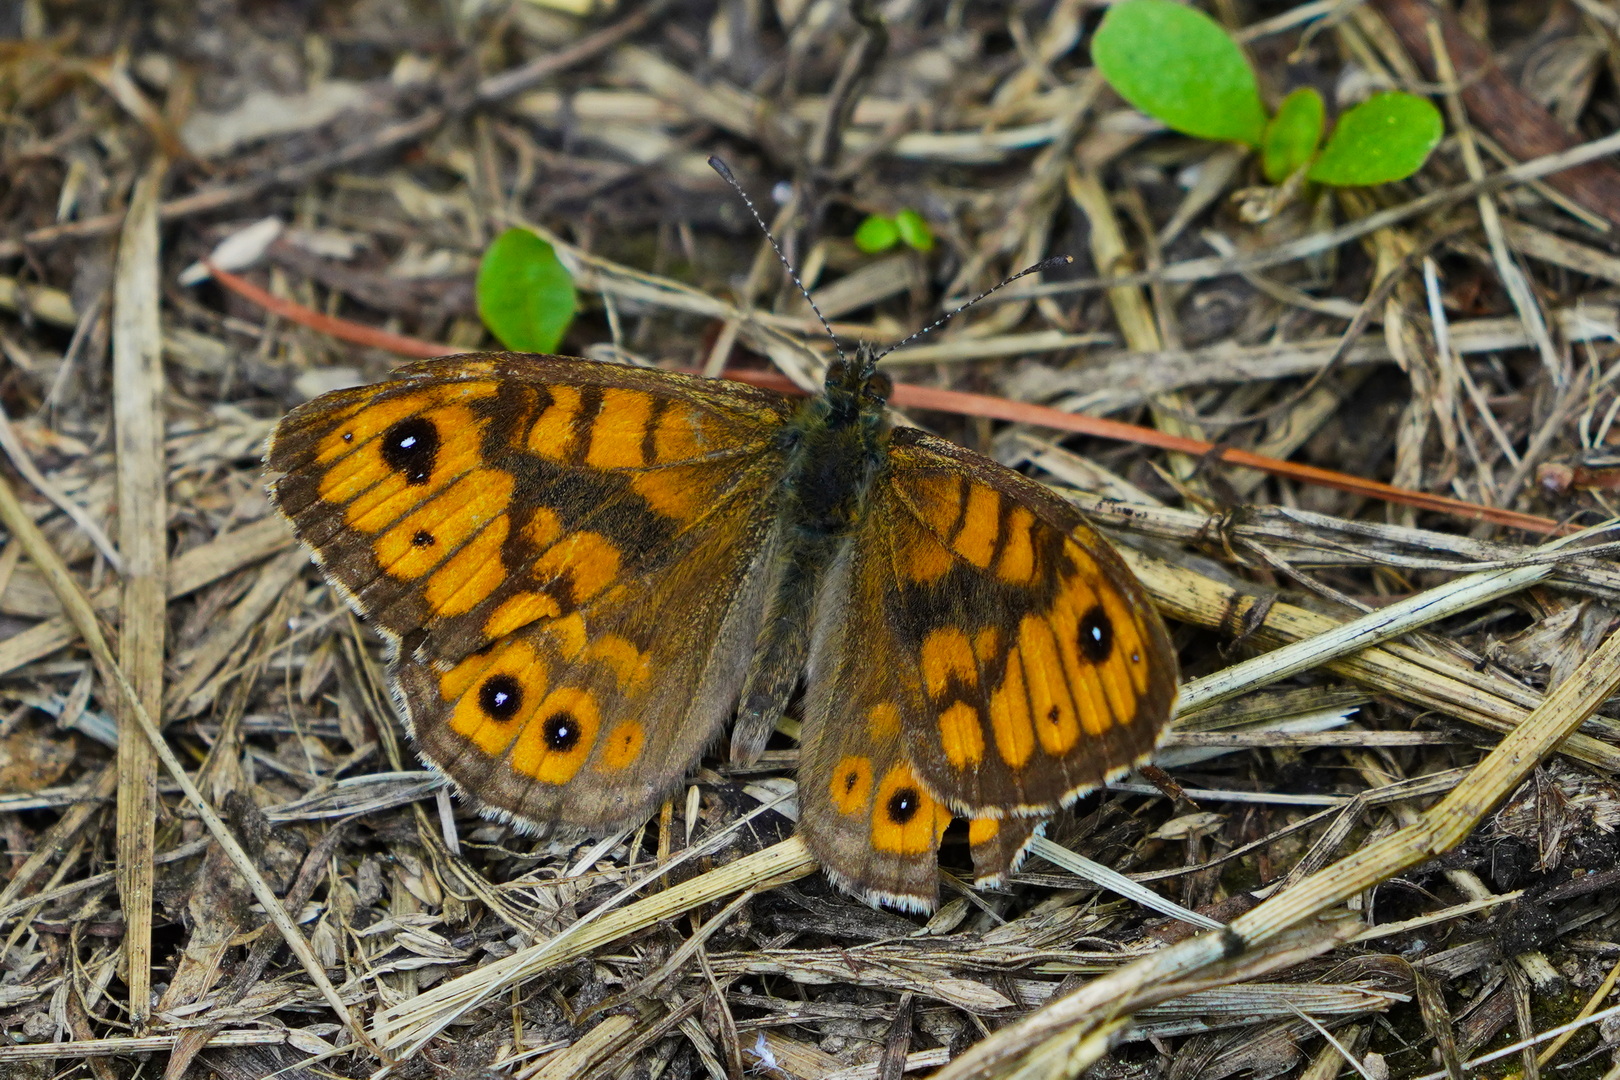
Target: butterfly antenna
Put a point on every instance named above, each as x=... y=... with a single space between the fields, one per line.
x=725 y=174
x=1044 y=264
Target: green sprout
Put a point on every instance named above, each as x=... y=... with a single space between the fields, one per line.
x=880 y=232
x=525 y=294
x=1176 y=64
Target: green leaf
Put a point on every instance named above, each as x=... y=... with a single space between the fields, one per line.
x=914 y=230
x=1387 y=137
x=877 y=233
x=1292 y=135
x=525 y=295
x=1176 y=63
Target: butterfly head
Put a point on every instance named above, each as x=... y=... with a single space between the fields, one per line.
x=855 y=388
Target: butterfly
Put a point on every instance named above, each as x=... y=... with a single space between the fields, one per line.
x=585 y=570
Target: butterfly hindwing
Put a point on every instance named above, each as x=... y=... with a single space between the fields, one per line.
x=998 y=846
x=545 y=538
x=863 y=812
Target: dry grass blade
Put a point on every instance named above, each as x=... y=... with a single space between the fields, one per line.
x=1434 y=682
x=78 y=608
x=199 y=567
x=1376 y=627
x=405 y=1027
x=143 y=539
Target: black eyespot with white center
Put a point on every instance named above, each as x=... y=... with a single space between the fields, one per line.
x=1096 y=635
x=423 y=538
x=411 y=448
x=561 y=732
x=903 y=805
x=500 y=697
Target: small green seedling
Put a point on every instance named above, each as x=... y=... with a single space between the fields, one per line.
x=880 y=233
x=1176 y=64
x=525 y=294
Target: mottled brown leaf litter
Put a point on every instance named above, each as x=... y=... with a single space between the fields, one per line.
x=1391 y=784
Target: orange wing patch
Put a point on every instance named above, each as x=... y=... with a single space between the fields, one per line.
x=972 y=521
x=1035 y=687
x=552 y=434
x=619 y=433
x=998 y=846
x=622 y=745
x=630 y=666
x=926 y=559
x=975 y=539
x=420 y=540
x=987 y=645
x=675 y=491
x=851 y=784
x=543 y=528
x=682 y=434
x=618 y=427
x=519 y=610
x=883 y=722
x=947 y=654
x=363 y=421
x=495 y=694
x=982 y=830
x=470 y=575
x=961 y=734
x=381 y=476
x=906 y=820
x=1016 y=566
x=557 y=739
x=587 y=560
x=568 y=635
x=937 y=502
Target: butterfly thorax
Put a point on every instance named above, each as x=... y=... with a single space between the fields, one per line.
x=837 y=442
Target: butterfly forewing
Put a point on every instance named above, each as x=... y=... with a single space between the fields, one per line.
x=438 y=500
x=1045 y=668
x=563 y=553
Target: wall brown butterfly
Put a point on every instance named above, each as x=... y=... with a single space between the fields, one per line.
x=585 y=570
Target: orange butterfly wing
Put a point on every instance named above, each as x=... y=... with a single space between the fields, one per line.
x=564 y=554
x=1012 y=654
x=1045 y=667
